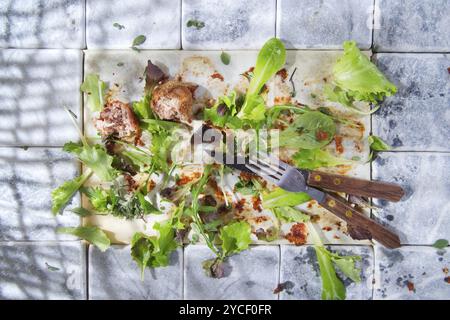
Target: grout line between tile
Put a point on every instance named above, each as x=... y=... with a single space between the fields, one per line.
x=87 y=270
x=182 y=272
x=276 y=17
x=279 y=271
x=372 y=45
x=181 y=24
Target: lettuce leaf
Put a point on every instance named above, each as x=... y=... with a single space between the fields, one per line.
x=235 y=238
x=271 y=59
x=358 y=79
x=317 y=158
x=223 y=113
x=95 y=158
x=93 y=235
x=282 y=198
x=289 y=214
x=64 y=193
x=95 y=89
x=310 y=130
x=152 y=251
x=377 y=144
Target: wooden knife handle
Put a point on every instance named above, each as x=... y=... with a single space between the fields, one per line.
x=343 y=209
x=355 y=186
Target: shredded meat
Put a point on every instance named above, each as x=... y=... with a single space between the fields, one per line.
x=117 y=120
x=173 y=100
x=297 y=234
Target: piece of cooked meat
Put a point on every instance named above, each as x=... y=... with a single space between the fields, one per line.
x=173 y=100
x=118 y=121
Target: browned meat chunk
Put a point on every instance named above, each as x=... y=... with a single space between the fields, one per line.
x=173 y=101
x=118 y=121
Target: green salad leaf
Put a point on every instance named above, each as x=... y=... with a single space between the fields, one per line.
x=235 y=237
x=281 y=198
x=358 y=79
x=64 y=193
x=289 y=214
x=95 y=158
x=440 y=244
x=332 y=286
x=225 y=58
x=152 y=251
x=223 y=113
x=95 y=89
x=271 y=59
x=82 y=212
x=93 y=235
x=317 y=158
x=310 y=130
x=99 y=198
x=377 y=144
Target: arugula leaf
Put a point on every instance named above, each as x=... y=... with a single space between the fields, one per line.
x=376 y=144
x=151 y=251
x=317 y=158
x=271 y=58
x=440 y=244
x=358 y=79
x=282 y=198
x=195 y=23
x=290 y=214
x=62 y=195
x=235 y=237
x=95 y=158
x=310 y=130
x=225 y=58
x=95 y=90
x=93 y=235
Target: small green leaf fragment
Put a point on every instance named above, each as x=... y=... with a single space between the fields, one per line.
x=140 y=39
x=118 y=26
x=225 y=58
x=440 y=244
x=51 y=268
x=193 y=23
x=82 y=212
x=93 y=235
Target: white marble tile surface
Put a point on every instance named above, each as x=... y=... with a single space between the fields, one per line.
x=417 y=118
x=158 y=20
x=228 y=25
x=412 y=26
x=42 y=24
x=251 y=274
x=35 y=85
x=324 y=24
x=27 y=178
x=115 y=275
x=423 y=215
x=412 y=273
x=43 y=271
x=301 y=276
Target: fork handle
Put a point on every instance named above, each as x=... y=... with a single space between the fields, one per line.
x=343 y=209
x=355 y=186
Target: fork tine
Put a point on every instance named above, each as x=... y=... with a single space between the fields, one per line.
x=264 y=169
x=275 y=164
x=257 y=170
